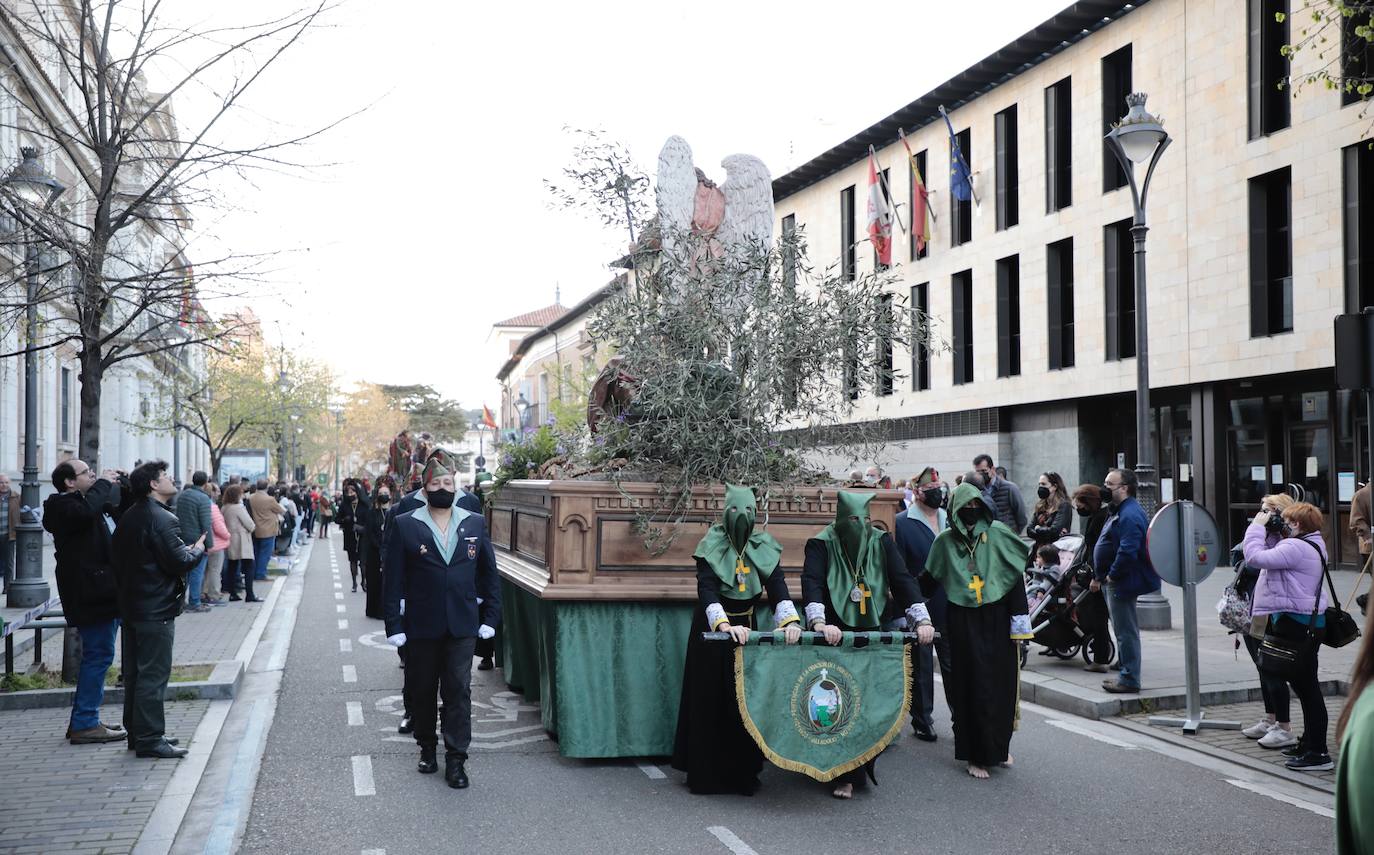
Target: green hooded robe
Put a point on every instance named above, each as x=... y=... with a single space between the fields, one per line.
x=855 y=551
x=740 y=557
x=980 y=564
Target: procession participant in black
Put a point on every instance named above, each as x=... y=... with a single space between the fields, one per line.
x=851 y=571
x=978 y=560
x=916 y=529
x=735 y=565
x=441 y=562
x=351 y=516
x=374 y=533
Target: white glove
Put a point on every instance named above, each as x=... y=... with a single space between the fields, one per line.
x=483 y=632
x=397 y=640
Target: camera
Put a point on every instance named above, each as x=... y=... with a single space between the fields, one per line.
x=1276 y=524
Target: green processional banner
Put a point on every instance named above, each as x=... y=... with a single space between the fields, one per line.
x=823 y=710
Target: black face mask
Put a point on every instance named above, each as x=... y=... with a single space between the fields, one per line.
x=384 y=499
x=933 y=497
x=1084 y=512
x=969 y=516
x=1043 y=492
x=1106 y=495
x=440 y=498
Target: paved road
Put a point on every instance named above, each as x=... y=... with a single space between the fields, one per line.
x=337 y=778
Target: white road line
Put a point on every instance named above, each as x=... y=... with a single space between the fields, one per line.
x=733 y=843
x=343 y=623
x=341 y=608
x=1091 y=734
x=338 y=595
x=374 y=852
x=653 y=772
x=345 y=645
x=350 y=674
x=362 y=776
x=338 y=586
x=355 y=713
x=1282 y=797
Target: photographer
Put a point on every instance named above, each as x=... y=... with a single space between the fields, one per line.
x=1274 y=730
x=1289 y=599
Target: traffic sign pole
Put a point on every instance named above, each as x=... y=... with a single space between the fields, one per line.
x=1193 y=534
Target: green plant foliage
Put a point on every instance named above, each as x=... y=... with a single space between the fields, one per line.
x=523 y=457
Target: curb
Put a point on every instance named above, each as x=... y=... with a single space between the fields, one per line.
x=1095 y=704
x=221 y=685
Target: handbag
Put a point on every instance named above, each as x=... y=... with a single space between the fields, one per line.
x=1233 y=610
x=1283 y=657
x=1341 y=628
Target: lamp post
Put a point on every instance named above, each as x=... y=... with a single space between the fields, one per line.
x=522 y=407
x=338 y=412
x=481 y=462
x=36 y=190
x=1140 y=138
x=283 y=386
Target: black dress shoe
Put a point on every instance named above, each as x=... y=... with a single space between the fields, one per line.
x=252 y=599
x=486 y=664
x=163 y=751
x=407 y=726
x=235 y=598
x=170 y=740
x=924 y=733
x=429 y=764
x=456 y=775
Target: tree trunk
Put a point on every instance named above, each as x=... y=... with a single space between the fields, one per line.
x=92 y=376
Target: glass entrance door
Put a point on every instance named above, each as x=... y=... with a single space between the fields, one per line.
x=1309 y=468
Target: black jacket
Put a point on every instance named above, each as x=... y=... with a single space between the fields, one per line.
x=151 y=562
x=379 y=519
x=351 y=516
x=901 y=585
x=441 y=598
x=81 y=541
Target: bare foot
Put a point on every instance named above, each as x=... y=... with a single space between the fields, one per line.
x=844 y=791
x=978 y=772
x=1007 y=762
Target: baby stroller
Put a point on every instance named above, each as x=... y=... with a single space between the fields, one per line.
x=1054 y=598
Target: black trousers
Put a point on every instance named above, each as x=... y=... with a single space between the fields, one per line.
x=445 y=663
x=1273 y=690
x=147 y=666
x=1306 y=686
x=923 y=657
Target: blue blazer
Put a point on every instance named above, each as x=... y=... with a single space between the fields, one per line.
x=1120 y=556
x=441 y=598
x=914 y=539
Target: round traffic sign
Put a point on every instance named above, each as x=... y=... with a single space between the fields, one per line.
x=1171 y=555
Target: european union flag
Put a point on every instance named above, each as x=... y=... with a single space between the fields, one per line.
x=960 y=179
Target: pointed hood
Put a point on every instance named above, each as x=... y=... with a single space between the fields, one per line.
x=740 y=557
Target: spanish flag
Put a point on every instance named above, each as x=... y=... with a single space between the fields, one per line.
x=920 y=207
x=488 y=419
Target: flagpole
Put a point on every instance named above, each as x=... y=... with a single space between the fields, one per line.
x=973 y=194
x=930 y=212
x=887 y=188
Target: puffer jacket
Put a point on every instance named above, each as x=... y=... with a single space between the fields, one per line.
x=151 y=562
x=81 y=540
x=219 y=528
x=1290 y=577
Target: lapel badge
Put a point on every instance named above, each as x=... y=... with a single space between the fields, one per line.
x=472 y=552
x=424 y=550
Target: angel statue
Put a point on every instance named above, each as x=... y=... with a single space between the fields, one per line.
x=734 y=217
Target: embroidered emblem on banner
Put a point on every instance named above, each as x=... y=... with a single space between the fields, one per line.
x=825 y=700
x=472 y=552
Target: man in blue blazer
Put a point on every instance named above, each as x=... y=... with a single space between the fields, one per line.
x=1121 y=563
x=440 y=562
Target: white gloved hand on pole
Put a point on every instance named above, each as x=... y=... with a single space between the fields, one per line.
x=397 y=640
x=484 y=632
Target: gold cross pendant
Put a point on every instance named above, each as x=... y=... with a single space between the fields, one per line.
x=976 y=586
x=863 y=600
x=741 y=570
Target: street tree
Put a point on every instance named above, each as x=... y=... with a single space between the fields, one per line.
x=1340 y=34
x=126 y=287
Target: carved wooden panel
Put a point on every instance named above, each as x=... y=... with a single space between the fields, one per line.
x=499 y=520
x=531 y=535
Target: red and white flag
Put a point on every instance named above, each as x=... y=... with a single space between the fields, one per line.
x=879 y=214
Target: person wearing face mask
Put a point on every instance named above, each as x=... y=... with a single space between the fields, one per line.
x=440 y=560
x=1092 y=609
x=374 y=534
x=1122 y=565
x=352 y=519
x=979 y=562
x=1274 y=730
x=916 y=530
x=1052 y=515
x=736 y=565
x=852 y=571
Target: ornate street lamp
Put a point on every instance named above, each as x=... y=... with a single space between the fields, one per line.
x=1139 y=138
x=338 y=411
x=522 y=407
x=35 y=190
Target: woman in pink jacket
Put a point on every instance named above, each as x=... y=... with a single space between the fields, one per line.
x=214 y=568
x=1289 y=590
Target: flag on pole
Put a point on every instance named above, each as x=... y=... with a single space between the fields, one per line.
x=920 y=204
x=879 y=213
x=960 y=179
x=488 y=418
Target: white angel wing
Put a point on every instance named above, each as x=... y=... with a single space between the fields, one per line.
x=675 y=190
x=748 y=193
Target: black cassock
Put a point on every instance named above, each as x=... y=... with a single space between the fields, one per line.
x=982 y=685
x=712 y=746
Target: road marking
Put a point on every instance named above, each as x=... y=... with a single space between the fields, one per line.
x=341 y=608
x=350 y=674
x=374 y=852
x=653 y=772
x=338 y=595
x=1282 y=797
x=733 y=843
x=362 y=776
x=345 y=646
x=1091 y=734
x=343 y=623
x=355 y=713
x=338 y=586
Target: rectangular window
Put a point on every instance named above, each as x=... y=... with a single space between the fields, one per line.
x=1266 y=67
x=66 y=405
x=848 y=255
x=924 y=250
x=920 y=344
x=962 y=316
x=1059 y=282
x=851 y=370
x=1058 y=146
x=1119 y=284
x=961 y=213
x=1357 y=55
x=1271 y=254
x=882 y=353
x=1357 y=162
x=1009 y=316
x=1004 y=129
x=1116 y=85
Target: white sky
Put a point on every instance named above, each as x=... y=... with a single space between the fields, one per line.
x=430 y=221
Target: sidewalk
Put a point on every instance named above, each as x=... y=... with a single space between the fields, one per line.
x=98 y=798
